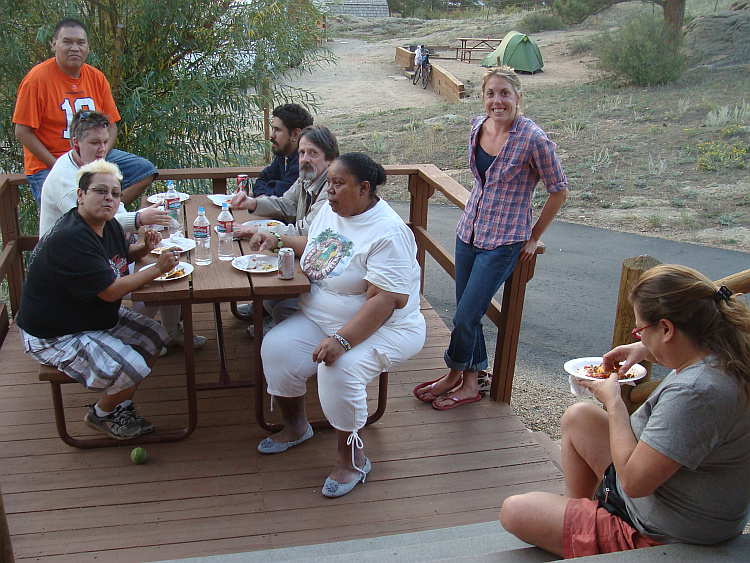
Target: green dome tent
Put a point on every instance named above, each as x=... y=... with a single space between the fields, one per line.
x=518 y=51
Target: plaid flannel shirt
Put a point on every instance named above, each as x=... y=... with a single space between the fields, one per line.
x=499 y=212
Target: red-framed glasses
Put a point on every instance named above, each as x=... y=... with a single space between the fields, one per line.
x=637 y=331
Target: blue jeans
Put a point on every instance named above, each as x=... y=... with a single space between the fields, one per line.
x=133 y=168
x=479 y=274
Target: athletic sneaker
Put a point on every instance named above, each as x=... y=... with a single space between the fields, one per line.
x=245 y=309
x=131 y=413
x=268 y=324
x=115 y=424
x=248 y=310
x=178 y=338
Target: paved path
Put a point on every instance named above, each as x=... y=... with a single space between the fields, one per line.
x=571 y=301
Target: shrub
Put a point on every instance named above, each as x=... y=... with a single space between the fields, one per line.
x=580 y=46
x=534 y=22
x=639 y=53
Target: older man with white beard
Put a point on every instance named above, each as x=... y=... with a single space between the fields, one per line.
x=297 y=208
x=318 y=148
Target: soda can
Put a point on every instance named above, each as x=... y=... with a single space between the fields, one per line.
x=286 y=263
x=243 y=183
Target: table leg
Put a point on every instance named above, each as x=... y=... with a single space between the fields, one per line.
x=260 y=380
x=192 y=397
x=223 y=371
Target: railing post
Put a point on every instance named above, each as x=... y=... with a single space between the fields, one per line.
x=632 y=269
x=11 y=231
x=509 y=329
x=219 y=185
x=420 y=191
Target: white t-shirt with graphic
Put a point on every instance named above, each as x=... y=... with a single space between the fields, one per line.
x=344 y=253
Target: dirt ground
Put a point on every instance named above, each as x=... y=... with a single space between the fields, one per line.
x=365 y=79
x=688 y=206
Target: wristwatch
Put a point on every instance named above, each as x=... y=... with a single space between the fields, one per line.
x=279 y=244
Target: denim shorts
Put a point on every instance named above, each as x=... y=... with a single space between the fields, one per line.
x=133 y=168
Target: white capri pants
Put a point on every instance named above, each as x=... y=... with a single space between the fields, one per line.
x=287 y=362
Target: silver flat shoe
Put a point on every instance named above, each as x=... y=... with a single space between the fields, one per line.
x=268 y=446
x=334 y=489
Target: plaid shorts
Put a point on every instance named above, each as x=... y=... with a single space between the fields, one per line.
x=112 y=360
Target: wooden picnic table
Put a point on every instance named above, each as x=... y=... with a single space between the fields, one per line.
x=217 y=283
x=470 y=44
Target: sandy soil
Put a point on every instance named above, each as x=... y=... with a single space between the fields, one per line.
x=365 y=78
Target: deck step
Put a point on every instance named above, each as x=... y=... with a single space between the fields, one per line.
x=475 y=543
x=479 y=542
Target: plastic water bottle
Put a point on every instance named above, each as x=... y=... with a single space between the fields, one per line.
x=202 y=236
x=172 y=203
x=225 y=226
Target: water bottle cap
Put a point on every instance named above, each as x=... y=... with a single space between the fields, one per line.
x=225 y=207
x=201 y=210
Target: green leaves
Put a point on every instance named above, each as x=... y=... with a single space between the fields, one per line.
x=193 y=76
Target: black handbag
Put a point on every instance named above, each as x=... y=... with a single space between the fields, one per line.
x=609 y=498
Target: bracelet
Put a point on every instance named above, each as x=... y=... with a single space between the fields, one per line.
x=341 y=340
x=280 y=244
x=137 y=219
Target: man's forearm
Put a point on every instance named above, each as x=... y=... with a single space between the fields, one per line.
x=112 y=136
x=27 y=137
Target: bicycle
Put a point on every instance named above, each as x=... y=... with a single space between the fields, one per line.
x=424 y=69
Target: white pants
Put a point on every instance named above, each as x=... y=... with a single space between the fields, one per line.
x=287 y=361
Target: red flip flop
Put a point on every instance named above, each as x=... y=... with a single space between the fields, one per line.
x=429 y=384
x=455 y=403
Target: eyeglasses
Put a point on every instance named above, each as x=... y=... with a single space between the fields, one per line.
x=103 y=192
x=637 y=331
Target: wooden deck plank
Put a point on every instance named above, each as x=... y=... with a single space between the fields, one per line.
x=213 y=493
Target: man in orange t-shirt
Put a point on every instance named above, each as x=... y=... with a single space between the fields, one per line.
x=48 y=98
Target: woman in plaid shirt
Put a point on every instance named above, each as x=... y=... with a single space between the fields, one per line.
x=508 y=155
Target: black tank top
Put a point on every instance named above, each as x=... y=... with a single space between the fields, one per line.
x=483 y=162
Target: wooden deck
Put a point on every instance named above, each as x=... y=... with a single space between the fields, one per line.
x=213 y=493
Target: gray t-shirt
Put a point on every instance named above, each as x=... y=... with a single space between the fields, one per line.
x=697 y=418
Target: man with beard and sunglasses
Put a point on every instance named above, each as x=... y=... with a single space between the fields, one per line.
x=318 y=148
x=287 y=123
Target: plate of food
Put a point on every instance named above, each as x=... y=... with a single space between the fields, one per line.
x=262 y=223
x=219 y=199
x=159 y=198
x=180 y=271
x=256 y=263
x=592 y=369
x=181 y=244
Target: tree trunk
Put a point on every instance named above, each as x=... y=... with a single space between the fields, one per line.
x=674 y=13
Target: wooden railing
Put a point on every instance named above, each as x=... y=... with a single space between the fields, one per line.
x=423 y=180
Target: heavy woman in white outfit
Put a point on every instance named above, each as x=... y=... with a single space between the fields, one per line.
x=361 y=317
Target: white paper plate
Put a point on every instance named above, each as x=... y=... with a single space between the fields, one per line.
x=159 y=198
x=262 y=223
x=187 y=267
x=265 y=264
x=219 y=199
x=577 y=367
x=182 y=244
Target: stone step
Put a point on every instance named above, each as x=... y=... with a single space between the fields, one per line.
x=485 y=542
x=475 y=543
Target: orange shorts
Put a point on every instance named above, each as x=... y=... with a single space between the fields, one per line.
x=590 y=530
